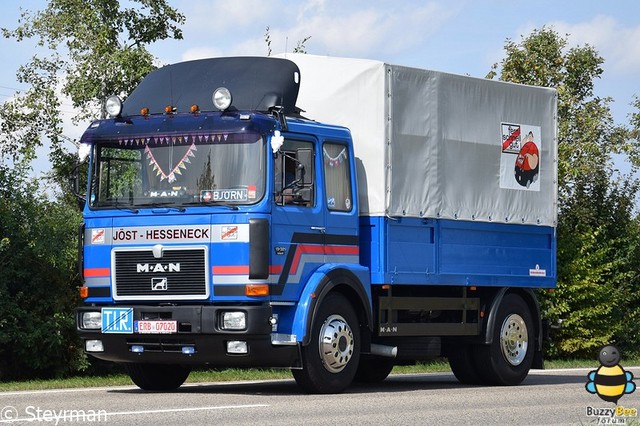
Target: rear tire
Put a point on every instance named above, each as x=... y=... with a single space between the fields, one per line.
x=508 y=359
x=157 y=377
x=373 y=369
x=330 y=360
x=462 y=362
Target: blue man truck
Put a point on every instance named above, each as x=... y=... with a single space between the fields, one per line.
x=224 y=226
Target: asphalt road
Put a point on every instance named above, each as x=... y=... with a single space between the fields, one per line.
x=545 y=398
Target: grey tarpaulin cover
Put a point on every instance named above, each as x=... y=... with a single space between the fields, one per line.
x=437 y=145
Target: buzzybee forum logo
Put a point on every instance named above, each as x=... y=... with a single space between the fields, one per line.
x=610 y=381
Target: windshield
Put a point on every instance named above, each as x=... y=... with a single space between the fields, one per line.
x=179 y=170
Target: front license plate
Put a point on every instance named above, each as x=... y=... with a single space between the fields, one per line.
x=156 y=327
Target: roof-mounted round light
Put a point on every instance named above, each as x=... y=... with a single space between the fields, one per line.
x=113 y=106
x=221 y=98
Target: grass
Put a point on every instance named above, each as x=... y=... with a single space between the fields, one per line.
x=202 y=376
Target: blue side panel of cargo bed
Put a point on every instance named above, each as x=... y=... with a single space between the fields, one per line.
x=445 y=252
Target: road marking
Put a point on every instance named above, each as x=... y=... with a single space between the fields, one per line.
x=575 y=370
x=182 y=410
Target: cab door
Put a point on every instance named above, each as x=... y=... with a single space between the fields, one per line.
x=298 y=219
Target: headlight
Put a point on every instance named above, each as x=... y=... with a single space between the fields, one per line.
x=221 y=98
x=113 y=106
x=234 y=321
x=91 y=320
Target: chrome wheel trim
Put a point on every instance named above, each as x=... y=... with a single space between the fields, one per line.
x=336 y=343
x=514 y=339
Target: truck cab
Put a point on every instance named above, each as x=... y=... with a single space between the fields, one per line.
x=203 y=228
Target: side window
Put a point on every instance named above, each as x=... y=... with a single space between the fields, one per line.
x=289 y=188
x=337 y=177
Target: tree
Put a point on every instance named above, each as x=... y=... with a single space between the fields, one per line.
x=95 y=48
x=38 y=280
x=597 y=233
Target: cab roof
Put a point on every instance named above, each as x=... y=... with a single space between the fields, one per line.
x=256 y=84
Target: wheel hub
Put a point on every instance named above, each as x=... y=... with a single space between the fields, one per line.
x=336 y=343
x=514 y=339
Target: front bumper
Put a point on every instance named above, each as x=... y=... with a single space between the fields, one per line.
x=198 y=327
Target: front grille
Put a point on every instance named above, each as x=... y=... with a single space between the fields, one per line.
x=180 y=274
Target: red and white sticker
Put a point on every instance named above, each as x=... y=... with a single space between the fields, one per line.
x=511 y=138
x=97 y=236
x=537 y=272
x=251 y=192
x=229 y=233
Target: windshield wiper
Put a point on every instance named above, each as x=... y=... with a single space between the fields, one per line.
x=216 y=203
x=118 y=206
x=166 y=205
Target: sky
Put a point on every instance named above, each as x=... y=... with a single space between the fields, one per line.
x=457 y=36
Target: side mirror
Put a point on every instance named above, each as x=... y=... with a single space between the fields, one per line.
x=304 y=170
x=84 y=150
x=74 y=181
x=304 y=175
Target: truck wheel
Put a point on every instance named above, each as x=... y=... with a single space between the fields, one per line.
x=461 y=360
x=330 y=360
x=508 y=359
x=157 y=377
x=373 y=369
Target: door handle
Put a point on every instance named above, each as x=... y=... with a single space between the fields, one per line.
x=322 y=229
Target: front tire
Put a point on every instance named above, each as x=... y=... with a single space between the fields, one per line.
x=157 y=377
x=330 y=360
x=508 y=359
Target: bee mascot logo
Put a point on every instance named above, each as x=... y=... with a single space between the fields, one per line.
x=610 y=381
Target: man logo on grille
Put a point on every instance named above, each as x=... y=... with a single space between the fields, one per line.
x=158 y=267
x=159 y=284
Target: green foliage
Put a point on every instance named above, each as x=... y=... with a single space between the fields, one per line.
x=596 y=280
x=597 y=232
x=38 y=282
x=95 y=48
x=32 y=116
x=300 y=45
x=267 y=39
